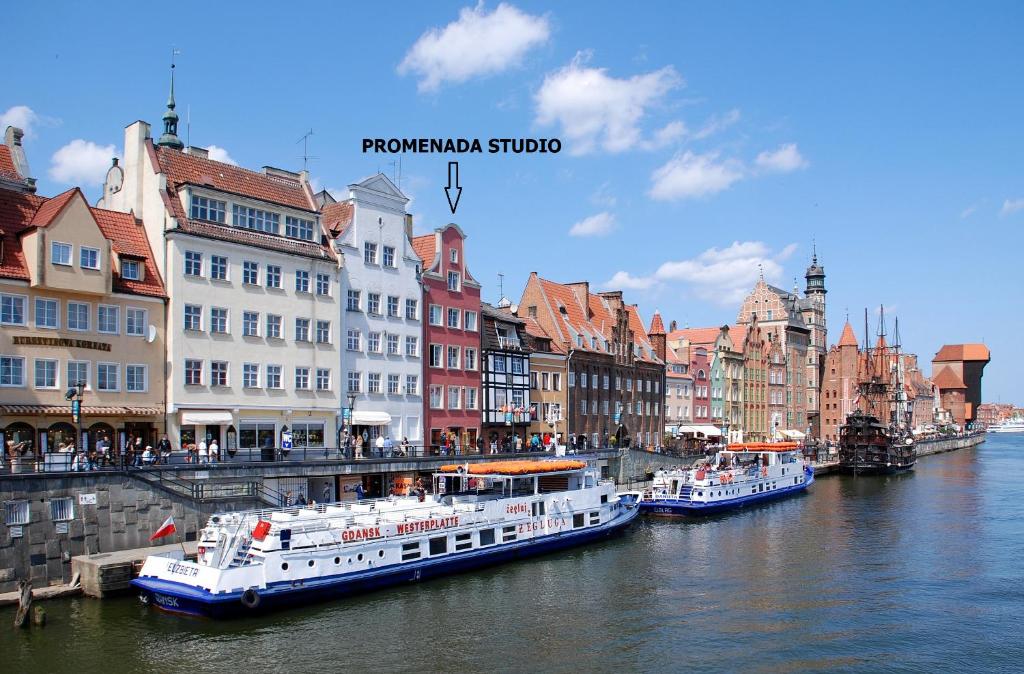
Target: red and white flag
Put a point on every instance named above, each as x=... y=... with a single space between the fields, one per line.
x=166 y=529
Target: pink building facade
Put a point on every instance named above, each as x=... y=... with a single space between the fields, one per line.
x=451 y=341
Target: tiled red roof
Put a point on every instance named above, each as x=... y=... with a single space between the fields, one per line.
x=657 y=326
x=186 y=169
x=128 y=238
x=636 y=324
x=336 y=217
x=189 y=169
x=16 y=211
x=956 y=352
x=847 y=338
x=21 y=212
x=535 y=329
x=947 y=379
x=702 y=336
x=562 y=296
x=425 y=247
x=8 y=170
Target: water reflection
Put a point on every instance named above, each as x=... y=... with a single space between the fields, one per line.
x=911 y=573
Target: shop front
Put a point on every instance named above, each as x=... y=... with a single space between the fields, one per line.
x=255 y=435
x=36 y=432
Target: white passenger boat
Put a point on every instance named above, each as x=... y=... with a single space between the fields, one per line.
x=1014 y=425
x=479 y=514
x=738 y=476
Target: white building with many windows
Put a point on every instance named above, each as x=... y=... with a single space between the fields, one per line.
x=253 y=317
x=380 y=299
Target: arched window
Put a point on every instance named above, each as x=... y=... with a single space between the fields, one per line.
x=59 y=435
x=98 y=429
x=19 y=439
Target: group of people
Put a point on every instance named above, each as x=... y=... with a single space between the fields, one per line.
x=134 y=454
x=202 y=452
x=359 y=446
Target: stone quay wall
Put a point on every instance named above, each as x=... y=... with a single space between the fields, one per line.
x=108 y=512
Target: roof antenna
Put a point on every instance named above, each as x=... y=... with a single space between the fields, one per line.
x=305 y=149
x=501 y=286
x=188 y=125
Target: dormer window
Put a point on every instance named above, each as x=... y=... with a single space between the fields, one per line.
x=60 y=253
x=89 y=258
x=204 y=208
x=131 y=270
x=298 y=228
x=254 y=218
x=453 y=255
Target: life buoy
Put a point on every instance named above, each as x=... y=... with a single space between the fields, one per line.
x=250 y=598
x=764 y=471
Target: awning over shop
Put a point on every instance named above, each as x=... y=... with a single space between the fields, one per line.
x=196 y=418
x=793 y=435
x=370 y=418
x=702 y=429
x=88 y=410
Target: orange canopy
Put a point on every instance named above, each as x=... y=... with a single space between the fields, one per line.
x=513 y=467
x=764 y=447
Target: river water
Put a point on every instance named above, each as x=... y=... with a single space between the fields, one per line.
x=921 y=572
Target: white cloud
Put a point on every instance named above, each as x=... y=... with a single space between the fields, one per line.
x=625 y=281
x=666 y=135
x=1011 y=206
x=218 y=153
x=598 y=111
x=21 y=116
x=722 y=276
x=596 y=225
x=717 y=123
x=968 y=212
x=478 y=43
x=690 y=176
x=783 y=160
x=81 y=162
x=603 y=197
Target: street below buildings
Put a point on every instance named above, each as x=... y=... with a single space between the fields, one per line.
x=918 y=572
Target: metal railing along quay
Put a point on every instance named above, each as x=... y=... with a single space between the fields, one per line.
x=81 y=462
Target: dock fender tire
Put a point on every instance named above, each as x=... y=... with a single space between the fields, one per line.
x=250 y=598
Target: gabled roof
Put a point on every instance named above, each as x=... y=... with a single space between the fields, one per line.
x=657 y=326
x=959 y=352
x=947 y=379
x=537 y=331
x=847 y=338
x=20 y=213
x=646 y=352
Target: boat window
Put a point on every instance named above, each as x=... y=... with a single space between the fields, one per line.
x=538 y=508
x=439 y=545
x=311 y=563
x=284 y=567
x=337 y=561
x=577 y=520
x=410 y=551
x=700 y=493
x=486 y=537
x=604 y=498
x=380 y=553
x=359 y=557
x=463 y=542
x=753 y=490
x=595 y=518
x=508 y=534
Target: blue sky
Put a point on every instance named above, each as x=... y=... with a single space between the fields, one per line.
x=699 y=139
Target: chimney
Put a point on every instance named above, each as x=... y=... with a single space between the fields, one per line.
x=12 y=139
x=672 y=326
x=408 y=225
x=200 y=152
x=582 y=291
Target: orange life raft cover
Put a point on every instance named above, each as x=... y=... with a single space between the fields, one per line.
x=513 y=467
x=764 y=447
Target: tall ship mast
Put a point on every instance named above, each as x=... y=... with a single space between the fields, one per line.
x=876 y=437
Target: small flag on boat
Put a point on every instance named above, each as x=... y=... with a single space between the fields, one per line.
x=261 y=530
x=166 y=529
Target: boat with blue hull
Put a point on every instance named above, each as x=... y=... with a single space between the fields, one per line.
x=478 y=515
x=736 y=477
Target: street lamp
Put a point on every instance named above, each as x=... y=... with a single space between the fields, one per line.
x=346 y=423
x=75 y=395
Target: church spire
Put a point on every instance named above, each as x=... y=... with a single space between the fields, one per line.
x=169 y=138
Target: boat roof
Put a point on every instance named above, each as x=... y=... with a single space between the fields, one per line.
x=513 y=468
x=763 y=447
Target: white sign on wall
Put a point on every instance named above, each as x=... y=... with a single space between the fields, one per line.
x=87 y=499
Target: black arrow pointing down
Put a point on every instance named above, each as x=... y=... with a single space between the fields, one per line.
x=453 y=175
